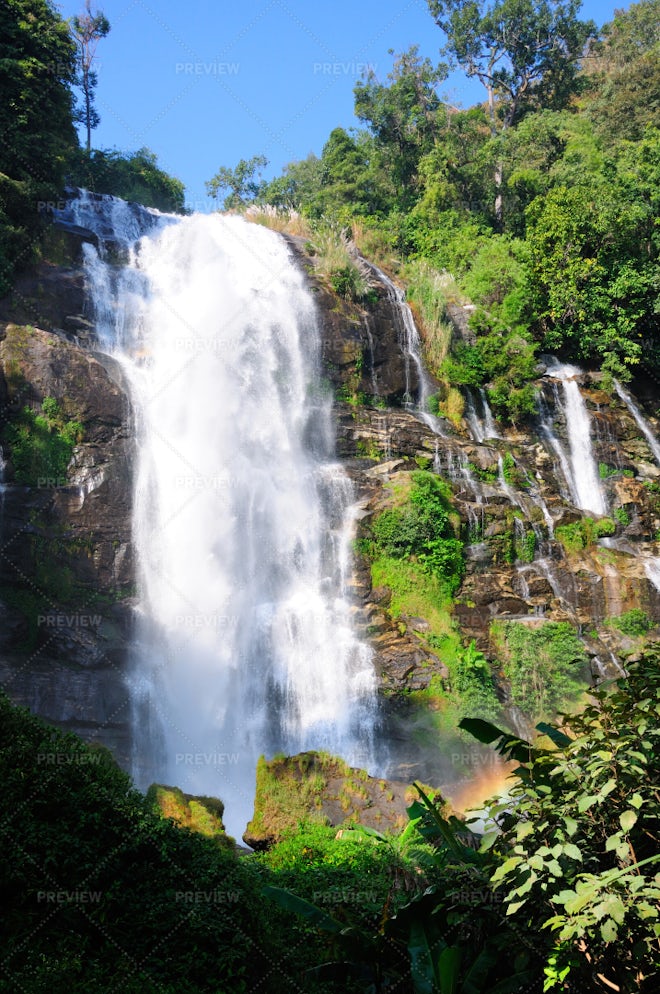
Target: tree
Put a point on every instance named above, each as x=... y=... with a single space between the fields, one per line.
x=242 y=182
x=133 y=176
x=525 y=53
x=623 y=73
x=88 y=28
x=298 y=186
x=402 y=116
x=37 y=70
x=579 y=858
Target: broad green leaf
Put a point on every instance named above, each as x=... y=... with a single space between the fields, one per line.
x=555 y=868
x=506 y=867
x=572 y=851
x=608 y=930
x=612 y=842
x=489 y=840
x=448 y=968
x=571 y=825
x=516 y=906
x=607 y=788
x=291 y=902
x=553 y=734
x=627 y=819
x=615 y=908
x=523 y=829
x=586 y=802
x=636 y=800
x=422 y=972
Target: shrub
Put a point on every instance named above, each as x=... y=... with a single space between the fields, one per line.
x=545 y=665
x=633 y=622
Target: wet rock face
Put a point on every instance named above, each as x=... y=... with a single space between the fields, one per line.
x=67 y=571
x=360 y=348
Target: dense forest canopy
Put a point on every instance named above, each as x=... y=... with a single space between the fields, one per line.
x=542 y=202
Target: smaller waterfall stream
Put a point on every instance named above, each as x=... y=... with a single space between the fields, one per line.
x=411 y=348
x=642 y=424
x=579 y=467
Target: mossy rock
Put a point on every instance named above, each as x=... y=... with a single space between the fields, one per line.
x=199 y=814
x=319 y=788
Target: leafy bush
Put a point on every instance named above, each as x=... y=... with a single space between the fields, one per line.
x=583 y=533
x=578 y=839
x=545 y=665
x=423 y=529
x=93 y=881
x=633 y=622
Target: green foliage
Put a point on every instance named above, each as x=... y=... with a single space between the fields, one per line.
x=242 y=183
x=622 y=73
x=621 y=516
x=545 y=665
x=578 y=862
x=41 y=445
x=522 y=52
x=37 y=70
x=401 y=117
x=472 y=678
x=583 y=533
x=92 y=881
x=134 y=176
x=423 y=528
x=605 y=471
x=633 y=622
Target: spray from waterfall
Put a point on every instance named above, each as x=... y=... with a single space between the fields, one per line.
x=243 y=519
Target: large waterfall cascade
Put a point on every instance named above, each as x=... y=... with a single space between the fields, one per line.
x=243 y=519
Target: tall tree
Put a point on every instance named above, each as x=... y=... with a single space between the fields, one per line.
x=525 y=53
x=88 y=29
x=402 y=115
x=243 y=182
x=37 y=70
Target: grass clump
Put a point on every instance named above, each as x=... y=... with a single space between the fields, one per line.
x=583 y=533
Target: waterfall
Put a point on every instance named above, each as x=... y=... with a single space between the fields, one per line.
x=580 y=468
x=652 y=570
x=481 y=428
x=243 y=519
x=411 y=348
x=490 y=431
x=642 y=424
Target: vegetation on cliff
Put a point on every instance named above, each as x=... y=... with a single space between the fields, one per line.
x=540 y=204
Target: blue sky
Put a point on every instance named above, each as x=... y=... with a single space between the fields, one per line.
x=204 y=83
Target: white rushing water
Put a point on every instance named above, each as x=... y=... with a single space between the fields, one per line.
x=641 y=421
x=652 y=569
x=411 y=348
x=243 y=519
x=580 y=468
